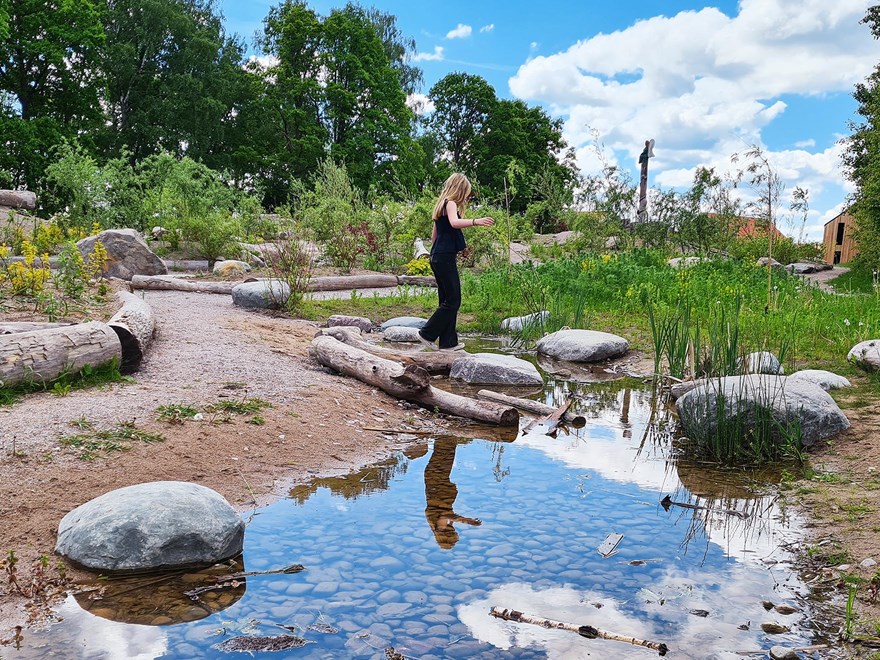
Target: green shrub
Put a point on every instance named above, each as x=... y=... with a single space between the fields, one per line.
x=208 y=236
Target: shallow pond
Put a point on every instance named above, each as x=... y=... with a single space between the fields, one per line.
x=412 y=553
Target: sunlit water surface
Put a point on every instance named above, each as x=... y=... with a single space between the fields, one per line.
x=412 y=554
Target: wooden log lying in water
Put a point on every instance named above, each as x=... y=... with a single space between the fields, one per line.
x=535 y=407
x=434 y=362
x=26 y=326
x=584 y=631
x=43 y=355
x=411 y=383
x=134 y=325
x=162 y=283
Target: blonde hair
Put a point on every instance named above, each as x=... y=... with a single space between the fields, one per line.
x=457 y=189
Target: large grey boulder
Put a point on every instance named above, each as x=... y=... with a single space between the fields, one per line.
x=151 y=526
x=827 y=380
x=684 y=262
x=127 y=254
x=18 y=199
x=517 y=323
x=767 y=261
x=401 y=333
x=760 y=362
x=405 y=321
x=866 y=355
x=806 y=267
x=361 y=322
x=737 y=399
x=262 y=294
x=582 y=345
x=495 y=369
x=231 y=268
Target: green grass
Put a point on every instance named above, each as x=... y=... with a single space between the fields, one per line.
x=87 y=377
x=854 y=280
x=175 y=413
x=97 y=444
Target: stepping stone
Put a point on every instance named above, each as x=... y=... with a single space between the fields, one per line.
x=827 y=380
x=517 y=323
x=151 y=526
x=582 y=345
x=405 y=321
x=495 y=369
x=263 y=294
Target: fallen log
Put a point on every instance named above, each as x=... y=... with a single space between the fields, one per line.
x=162 y=283
x=412 y=382
x=134 y=325
x=534 y=407
x=26 y=326
x=553 y=418
x=584 y=631
x=40 y=356
x=417 y=280
x=342 y=282
x=434 y=362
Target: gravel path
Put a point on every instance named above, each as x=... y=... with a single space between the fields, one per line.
x=200 y=351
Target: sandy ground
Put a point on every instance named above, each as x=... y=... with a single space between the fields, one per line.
x=205 y=351
x=841 y=500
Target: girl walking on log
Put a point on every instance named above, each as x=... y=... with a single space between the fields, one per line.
x=447 y=240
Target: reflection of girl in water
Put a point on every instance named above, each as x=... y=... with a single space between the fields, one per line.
x=440 y=494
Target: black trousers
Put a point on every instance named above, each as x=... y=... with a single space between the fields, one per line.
x=441 y=325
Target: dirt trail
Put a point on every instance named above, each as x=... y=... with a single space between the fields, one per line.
x=206 y=350
x=823 y=276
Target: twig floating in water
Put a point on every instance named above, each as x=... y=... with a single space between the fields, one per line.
x=667 y=502
x=584 y=631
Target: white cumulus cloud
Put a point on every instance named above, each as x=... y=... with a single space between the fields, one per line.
x=436 y=56
x=488 y=28
x=420 y=104
x=705 y=84
x=461 y=31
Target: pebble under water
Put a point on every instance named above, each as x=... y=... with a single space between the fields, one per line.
x=409 y=555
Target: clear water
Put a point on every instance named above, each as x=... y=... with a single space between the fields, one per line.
x=412 y=554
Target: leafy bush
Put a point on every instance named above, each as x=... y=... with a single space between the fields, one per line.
x=207 y=236
x=420 y=266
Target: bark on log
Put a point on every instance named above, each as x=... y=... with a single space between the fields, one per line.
x=193 y=265
x=134 y=325
x=434 y=362
x=342 y=282
x=43 y=355
x=535 y=407
x=18 y=199
x=417 y=280
x=584 y=631
x=411 y=382
x=160 y=283
x=27 y=326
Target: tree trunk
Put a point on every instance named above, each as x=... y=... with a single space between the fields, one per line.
x=411 y=383
x=18 y=199
x=162 y=283
x=27 y=326
x=134 y=325
x=43 y=355
x=342 y=282
x=534 y=407
x=434 y=362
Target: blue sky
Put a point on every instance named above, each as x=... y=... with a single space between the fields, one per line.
x=703 y=80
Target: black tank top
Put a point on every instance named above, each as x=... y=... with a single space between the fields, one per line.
x=449 y=240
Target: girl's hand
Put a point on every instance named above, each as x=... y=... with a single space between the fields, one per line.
x=484 y=222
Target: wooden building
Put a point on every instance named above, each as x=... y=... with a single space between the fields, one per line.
x=838 y=240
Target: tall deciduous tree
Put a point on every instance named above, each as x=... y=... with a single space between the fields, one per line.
x=862 y=158
x=364 y=106
x=463 y=103
x=50 y=78
x=516 y=132
x=174 y=77
x=279 y=135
